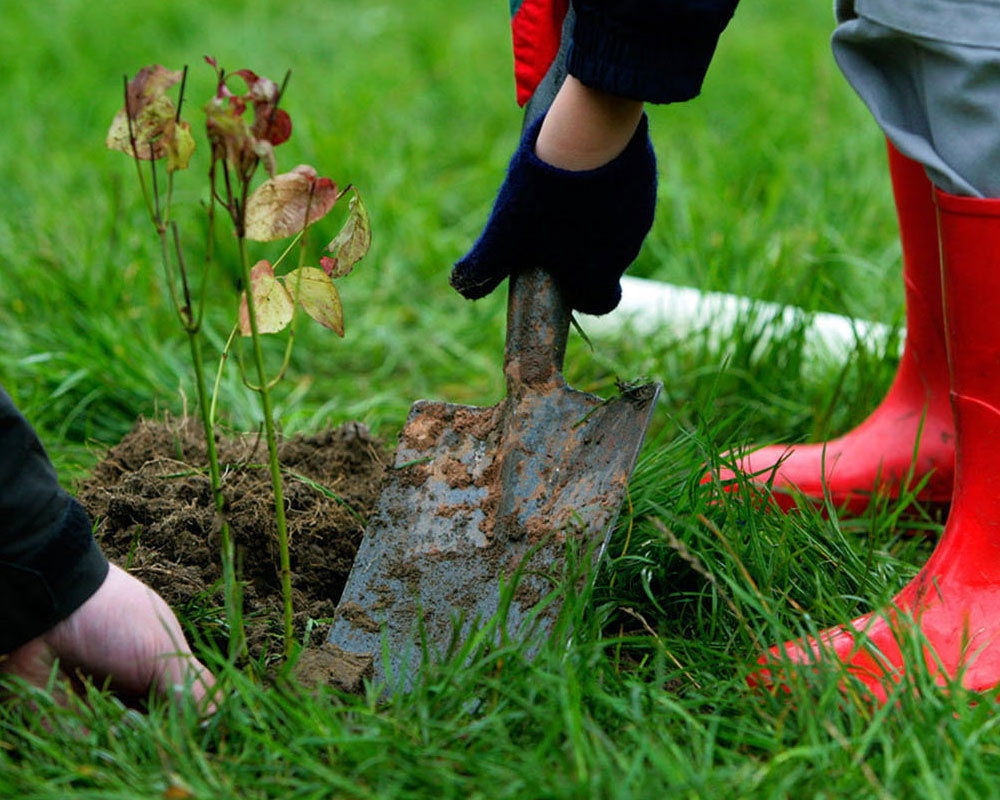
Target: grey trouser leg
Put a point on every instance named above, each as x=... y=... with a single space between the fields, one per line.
x=929 y=71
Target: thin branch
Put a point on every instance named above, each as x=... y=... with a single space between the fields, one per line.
x=218 y=373
x=209 y=245
x=135 y=151
x=287 y=250
x=286 y=360
x=243 y=370
x=191 y=324
x=231 y=203
x=180 y=96
x=158 y=219
x=277 y=102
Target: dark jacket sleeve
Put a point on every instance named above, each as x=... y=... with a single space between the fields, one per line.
x=652 y=50
x=49 y=561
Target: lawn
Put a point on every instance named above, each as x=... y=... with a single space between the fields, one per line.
x=773 y=185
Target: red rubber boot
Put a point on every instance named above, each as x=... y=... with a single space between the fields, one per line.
x=955 y=598
x=877 y=455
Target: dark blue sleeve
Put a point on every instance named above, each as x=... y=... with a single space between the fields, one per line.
x=49 y=561
x=652 y=50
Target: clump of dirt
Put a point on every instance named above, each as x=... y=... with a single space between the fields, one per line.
x=152 y=499
x=328 y=665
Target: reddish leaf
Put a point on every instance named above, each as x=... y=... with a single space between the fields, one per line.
x=153 y=115
x=261 y=90
x=149 y=83
x=248 y=75
x=233 y=136
x=314 y=290
x=328 y=263
x=279 y=127
x=352 y=243
x=277 y=208
x=269 y=123
x=273 y=305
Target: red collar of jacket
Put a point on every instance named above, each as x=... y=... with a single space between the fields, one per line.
x=537 y=30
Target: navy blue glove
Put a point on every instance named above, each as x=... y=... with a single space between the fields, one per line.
x=585 y=227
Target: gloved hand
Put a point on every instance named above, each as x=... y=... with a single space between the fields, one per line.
x=585 y=227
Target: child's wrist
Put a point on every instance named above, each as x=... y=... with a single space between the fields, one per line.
x=586 y=128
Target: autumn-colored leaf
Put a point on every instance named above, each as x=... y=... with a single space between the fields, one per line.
x=276 y=127
x=269 y=123
x=352 y=243
x=264 y=150
x=273 y=305
x=153 y=115
x=148 y=128
x=228 y=131
x=233 y=136
x=314 y=290
x=277 y=208
x=150 y=83
x=261 y=90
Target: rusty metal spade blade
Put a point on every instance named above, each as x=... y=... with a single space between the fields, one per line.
x=477 y=493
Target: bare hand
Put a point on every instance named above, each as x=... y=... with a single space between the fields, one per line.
x=126 y=633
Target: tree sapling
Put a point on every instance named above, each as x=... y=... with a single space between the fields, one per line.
x=149 y=128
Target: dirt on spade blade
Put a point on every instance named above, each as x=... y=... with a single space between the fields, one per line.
x=152 y=500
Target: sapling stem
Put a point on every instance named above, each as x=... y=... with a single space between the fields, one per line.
x=159 y=215
x=157 y=218
x=180 y=94
x=161 y=232
x=272 y=453
x=231 y=590
x=301 y=239
x=135 y=152
x=239 y=351
x=169 y=200
x=177 y=121
x=209 y=248
x=192 y=324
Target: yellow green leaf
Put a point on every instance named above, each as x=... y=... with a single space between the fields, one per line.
x=314 y=290
x=273 y=306
x=179 y=147
x=352 y=243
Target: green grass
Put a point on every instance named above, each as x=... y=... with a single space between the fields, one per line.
x=773 y=185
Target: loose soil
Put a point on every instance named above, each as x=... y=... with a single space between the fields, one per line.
x=152 y=500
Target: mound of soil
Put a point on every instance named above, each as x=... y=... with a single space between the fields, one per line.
x=152 y=500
